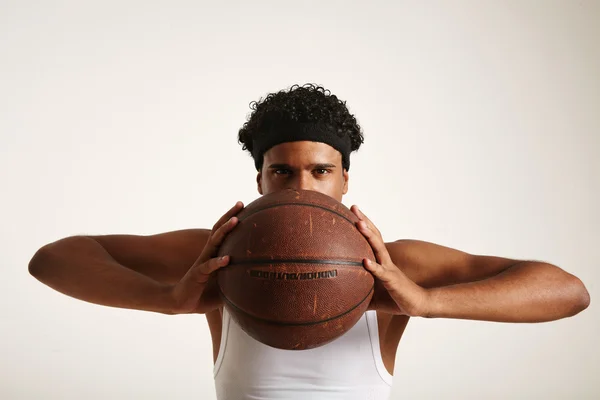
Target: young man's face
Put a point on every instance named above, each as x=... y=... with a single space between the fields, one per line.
x=303 y=165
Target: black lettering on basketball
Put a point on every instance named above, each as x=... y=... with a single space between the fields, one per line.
x=254 y=273
x=287 y=276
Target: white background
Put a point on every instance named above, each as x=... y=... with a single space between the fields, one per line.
x=482 y=127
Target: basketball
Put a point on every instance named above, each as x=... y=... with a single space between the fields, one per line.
x=295 y=279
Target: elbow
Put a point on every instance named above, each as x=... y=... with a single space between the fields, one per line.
x=38 y=263
x=579 y=297
x=43 y=262
x=45 y=258
x=584 y=298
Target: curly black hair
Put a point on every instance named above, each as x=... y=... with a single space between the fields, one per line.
x=306 y=103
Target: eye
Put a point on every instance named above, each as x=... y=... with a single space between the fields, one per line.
x=322 y=171
x=281 y=171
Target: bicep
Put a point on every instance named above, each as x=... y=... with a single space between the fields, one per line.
x=164 y=257
x=432 y=265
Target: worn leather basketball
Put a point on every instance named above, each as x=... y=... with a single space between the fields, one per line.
x=295 y=279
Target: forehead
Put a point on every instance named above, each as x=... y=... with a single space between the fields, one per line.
x=302 y=152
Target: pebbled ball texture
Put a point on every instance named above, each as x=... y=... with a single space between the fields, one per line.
x=295 y=278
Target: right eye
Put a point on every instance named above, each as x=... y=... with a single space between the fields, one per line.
x=282 y=171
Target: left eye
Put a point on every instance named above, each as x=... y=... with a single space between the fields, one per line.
x=321 y=171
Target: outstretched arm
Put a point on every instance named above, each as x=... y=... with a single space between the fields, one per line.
x=170 y=273
x=525 y=292
x=424 y=279
x=491 y=288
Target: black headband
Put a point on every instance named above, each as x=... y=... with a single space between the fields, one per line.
x=298 y=131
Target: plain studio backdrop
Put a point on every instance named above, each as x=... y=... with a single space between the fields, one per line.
x=482 y=124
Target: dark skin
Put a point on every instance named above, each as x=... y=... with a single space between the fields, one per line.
x=413 y=278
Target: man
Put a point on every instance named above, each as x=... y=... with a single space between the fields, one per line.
x=302 y=139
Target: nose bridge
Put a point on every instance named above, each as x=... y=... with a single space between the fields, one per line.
x=303 y=180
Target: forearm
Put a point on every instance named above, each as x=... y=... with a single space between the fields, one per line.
x=525 y=292
x=80 y=267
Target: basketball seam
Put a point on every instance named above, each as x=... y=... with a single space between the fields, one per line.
x=296 y=204
x=293 y=261
x=273 y=322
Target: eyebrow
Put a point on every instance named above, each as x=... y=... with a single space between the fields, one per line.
x=316 y=165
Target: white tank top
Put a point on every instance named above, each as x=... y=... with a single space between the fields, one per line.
x=348 y=368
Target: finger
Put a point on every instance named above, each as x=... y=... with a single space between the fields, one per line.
x=212 y=265
x=377 y=244
x=200 y=274
x=363 y=217
x=198 y=277
x=216 y=238
x=232 y=211
x=378 y=270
